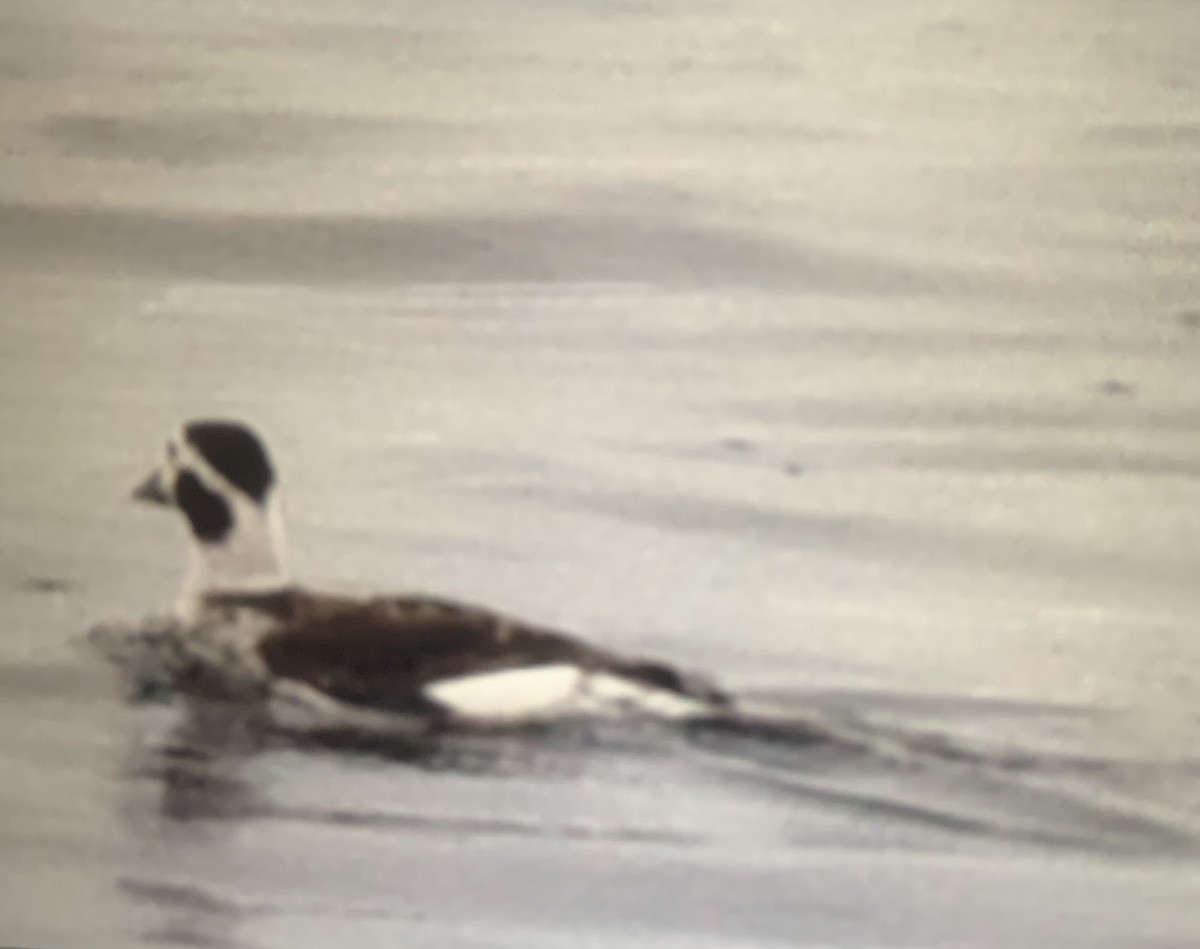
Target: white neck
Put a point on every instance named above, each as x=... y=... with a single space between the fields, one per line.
x=249 y=558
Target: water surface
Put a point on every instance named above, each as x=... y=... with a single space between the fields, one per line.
x=848 y=355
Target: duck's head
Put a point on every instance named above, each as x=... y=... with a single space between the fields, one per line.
x=218 y=474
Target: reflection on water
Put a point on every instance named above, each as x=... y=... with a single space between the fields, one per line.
x=869 y=764
x=866 y=761
x=867 y=771
x=707 y=797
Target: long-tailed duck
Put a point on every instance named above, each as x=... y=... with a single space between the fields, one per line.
x=448 y=662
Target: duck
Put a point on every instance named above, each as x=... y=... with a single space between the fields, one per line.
x=449 y=663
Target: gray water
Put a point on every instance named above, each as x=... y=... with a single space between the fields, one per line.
x=846 y=352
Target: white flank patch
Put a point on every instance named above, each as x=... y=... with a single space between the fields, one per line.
x=536 y=692
x=540 y=693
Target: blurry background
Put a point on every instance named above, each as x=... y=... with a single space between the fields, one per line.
x=845 y=351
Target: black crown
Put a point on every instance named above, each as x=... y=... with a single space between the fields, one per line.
x=233 y=449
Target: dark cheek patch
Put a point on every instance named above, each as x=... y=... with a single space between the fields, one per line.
x=208 y=513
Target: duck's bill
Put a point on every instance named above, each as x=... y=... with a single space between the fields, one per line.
x=152 y=491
